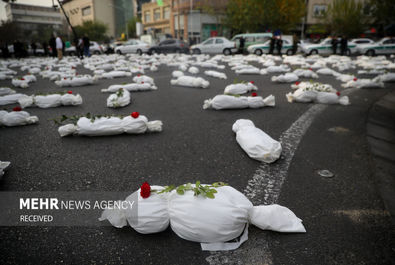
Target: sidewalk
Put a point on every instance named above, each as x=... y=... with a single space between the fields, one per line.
x=381 y=137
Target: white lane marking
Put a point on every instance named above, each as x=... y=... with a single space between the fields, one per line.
x=265 y=187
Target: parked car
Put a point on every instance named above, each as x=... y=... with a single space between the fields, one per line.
x=215 y=45
x=362 y=41
x=325 y=47
x=259 y=49
x=132 y=46
x=383 y=46
x=94 y=48
x=39 y=51
x=169 y=46
x=251 y=38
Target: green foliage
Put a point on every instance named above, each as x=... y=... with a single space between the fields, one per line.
x=132 y=26
x=199 y=189
x=9 y=31
x=95 y=30
x=255 y=15
x=382 y=11
x=345 y=17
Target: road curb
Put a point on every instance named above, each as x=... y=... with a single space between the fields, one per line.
x=380 y=130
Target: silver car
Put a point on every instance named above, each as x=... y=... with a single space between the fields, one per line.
x=132 y=46
x=215 y=45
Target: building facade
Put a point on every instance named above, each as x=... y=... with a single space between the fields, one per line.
x=31 y=18
x=79 y=11
x=155 y=18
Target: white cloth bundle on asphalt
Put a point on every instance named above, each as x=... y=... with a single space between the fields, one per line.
x=364 y=83
x=20 y=83
x=154 y=68
x=215 y=74
x=190 y=81
x=326 y=71
x=211 y=222
x=116 y=101
x=177 y=74
x=255 y=142
x=16 y=118
x=115 y=74
x=111 y=126
x=50 y=101
x=3 y=166
x=344 y=77
x=143 y=79
x=5 y=76
x=305 y=73
x=240 y=102
x=30 y=78
x=278 y=69
x=131 y=87
x=240 y=88
x=82 y=80
x=193 y=70
x=389 y=77
x=11 y=99
x=314 y=86
x=285 y=78
x=6 y=91
x=251 y=70
x=306 y=96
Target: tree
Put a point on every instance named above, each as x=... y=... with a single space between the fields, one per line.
x=256 y=15
x=132 y=26
x=9 y=31
x=345 y=17
x=95 y=30
x=382 y=12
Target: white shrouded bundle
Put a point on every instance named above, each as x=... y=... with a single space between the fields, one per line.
x=305 y=73
x=190 y=81
x=115 y=74
x=16 y=118
x=193 y=70
x=240 y=88
x=364 y=83
x=306 y=96
x=22 y=83
x=3 y=166
x=119 y=99
x=132 y=87
x=344 y=78
x=255 y=142
x=6 y=91
x=110 y=126
x=314 y=86
x=326 y=71
x=4 y=76
x=11 y=99
x=177 y=74
x=211 y=222
x=389 y=77
x=143 y=79
x=285 y=78
x=278 y=69
x=240 y=102
x=215 y=74
x=82 y=80
x=250 y=70
x=50 y=101
x=30 y=78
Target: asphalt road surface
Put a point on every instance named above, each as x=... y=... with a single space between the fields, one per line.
x=344 y=216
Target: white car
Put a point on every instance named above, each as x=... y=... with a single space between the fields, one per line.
x=215 y=45
x=259 y=49
x=361 y=41
x=132 y=46
x=325 y=47
x=384 y=46
x=94 y=48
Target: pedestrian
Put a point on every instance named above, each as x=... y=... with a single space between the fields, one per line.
x=343 y=45
x=241 y=45
x=295 y=44
x=86 y=43
x=45 y=47
x=279 y=45
x=272 y=42
x=59 y=47
x=34 y=47
x=52 y=45
x=334 y=43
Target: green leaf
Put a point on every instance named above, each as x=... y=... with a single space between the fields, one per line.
x=180 y=192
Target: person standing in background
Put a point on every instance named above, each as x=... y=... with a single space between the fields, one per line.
x=272 y=42
x=295 y=44
x=52 y=44
x=59 y=48
x=334 y=44
x=343 y=45
x=86 y=42
x=279 y=45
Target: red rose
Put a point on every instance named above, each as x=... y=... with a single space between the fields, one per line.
x=69 y=92
x=142 y=82
x=135 y=114
x=297 y=83
x=145 y=190
x=138 y=75
x=64 y=78
x=338 y=93
x=252 y=82
x=22 y=78
x=311 y=69
x=253 y=94
x=17 y=108
x=355 y=79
